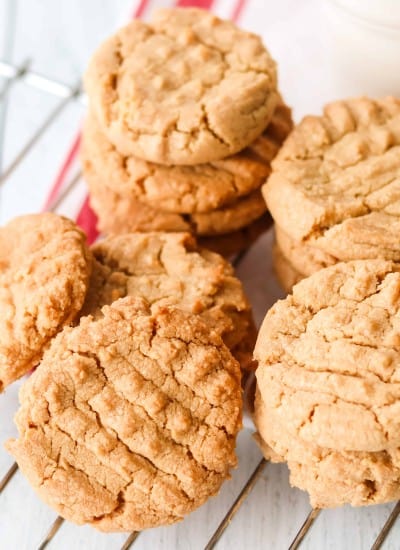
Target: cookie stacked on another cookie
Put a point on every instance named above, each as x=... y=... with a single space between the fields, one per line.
x=328 y=391
x=334 y=191
x=185 y=119
x=170 y=269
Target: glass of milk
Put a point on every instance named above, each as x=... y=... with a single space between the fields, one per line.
x=363 y=37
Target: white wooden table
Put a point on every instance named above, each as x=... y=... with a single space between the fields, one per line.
x=59 y=36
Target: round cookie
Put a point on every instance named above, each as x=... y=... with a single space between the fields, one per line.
x=169 y=269
x=332 y=349
x=331 y=478
x=285 y=272
x=328 y=357
x=185 y=189
x=130 y=420
x=187 y=88
x=44 y=272
x=124 y=213
x=303 y=258
x=335 y=183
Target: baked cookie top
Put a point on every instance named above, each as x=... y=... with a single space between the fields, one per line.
x=130 y=420
x=185 y=189
x=328 y=357
x=186 y=88
x=335 y=183
x=169 y=269
x=44 y=271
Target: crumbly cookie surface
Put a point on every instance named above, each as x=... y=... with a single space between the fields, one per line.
x=44 y=272
x=169 y=269
x=335 y=182
x=328 y=357
x=187 y=88
x=130 y=420
x=119 y=213
x=332 y=478
x=185 y=189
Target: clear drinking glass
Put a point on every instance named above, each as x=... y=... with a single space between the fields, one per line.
x=363 y=37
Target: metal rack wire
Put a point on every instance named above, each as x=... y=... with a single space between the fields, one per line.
x=67 y=94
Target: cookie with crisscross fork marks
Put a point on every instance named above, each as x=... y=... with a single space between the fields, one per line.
x=335 y=183
x=130 y=420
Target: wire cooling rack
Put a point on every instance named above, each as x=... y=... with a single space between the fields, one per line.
x=66 y=94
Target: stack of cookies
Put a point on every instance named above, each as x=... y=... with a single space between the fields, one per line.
x=184 y=120
x=328 y=392
x=334 y=191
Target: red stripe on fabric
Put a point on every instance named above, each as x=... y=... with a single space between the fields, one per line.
x=62 y=174
x=139 y=11
x=237 y=10
x=203 y=4
x=87 y=220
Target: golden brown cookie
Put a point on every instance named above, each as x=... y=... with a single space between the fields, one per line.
x=303 y=258
x=169 y=269
x=328 y=378
x=118 y=214
x=335 y=183
x=285 y=272
x=186 y=88
x=131 y=418
x=44 y=272
x=185 y=189
x=331 y=478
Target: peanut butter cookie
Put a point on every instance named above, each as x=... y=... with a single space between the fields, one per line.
x=185 y=189
x=186 y=88
x=44 y=272
x=169 y=269
x=332 y=478
x=328 y=360
x=335 y=183
x=130 y=420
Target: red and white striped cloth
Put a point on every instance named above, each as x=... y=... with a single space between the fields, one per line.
x=86 y=218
